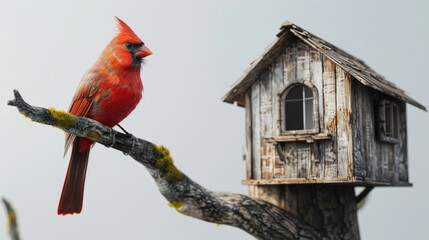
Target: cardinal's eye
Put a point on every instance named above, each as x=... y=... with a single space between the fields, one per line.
x=128 y=45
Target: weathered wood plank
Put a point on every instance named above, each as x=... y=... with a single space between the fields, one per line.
x=248 y=147
x=290 y=65
x=401 y=155
x=256 y=133
x=298 y=160
x=310 y=180
x=303 y=72
x=266 y=120
x=276 y=77
x=267 y=160
x=329 y=119
x=316 y=79
x=309 y=137
x=363 y=127
x=358 y=129
x=291 y=168
x=305 y=157
x=316 y=163
x=266 y=117
x=385 y=155
x=329 y=97
x=320 y=162
x=279 y=167
x=303 y=66
x=369 y=119
x=344 y=139
x=378 y=165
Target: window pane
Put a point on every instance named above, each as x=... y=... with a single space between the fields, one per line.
x=308 y=114
x=395 y=121
x=295 y=93
x=388 y=118
x=308 y=92
x=294 y=115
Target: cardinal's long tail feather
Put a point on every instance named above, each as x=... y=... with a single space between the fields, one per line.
x=72 y=195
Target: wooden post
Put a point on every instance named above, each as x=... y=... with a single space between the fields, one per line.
x=328 y=208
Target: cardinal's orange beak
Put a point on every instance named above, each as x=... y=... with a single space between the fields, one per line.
x=143 y=52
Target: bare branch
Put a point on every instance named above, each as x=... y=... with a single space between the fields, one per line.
x=12 y=220
x=259 y=218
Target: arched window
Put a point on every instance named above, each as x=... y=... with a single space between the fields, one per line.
x=298 y=108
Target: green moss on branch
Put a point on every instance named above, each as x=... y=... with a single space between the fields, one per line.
x=166 y=165
x=63 y=119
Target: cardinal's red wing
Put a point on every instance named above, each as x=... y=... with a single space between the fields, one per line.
x=83 y=100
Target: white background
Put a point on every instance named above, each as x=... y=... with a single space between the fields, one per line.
x=200 y=48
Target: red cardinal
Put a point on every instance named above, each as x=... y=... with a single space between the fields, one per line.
x=107 y=93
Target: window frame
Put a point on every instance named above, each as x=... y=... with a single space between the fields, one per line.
x=282 y=110
x=388 y=121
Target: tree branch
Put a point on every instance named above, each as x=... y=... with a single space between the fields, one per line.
x=259 y=218
x=12 y=220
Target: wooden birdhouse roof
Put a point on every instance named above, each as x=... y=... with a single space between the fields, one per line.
x=354 y=66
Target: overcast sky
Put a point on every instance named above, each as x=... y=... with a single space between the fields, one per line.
x=200 y=48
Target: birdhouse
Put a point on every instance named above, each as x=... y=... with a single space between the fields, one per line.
x=316 y=114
